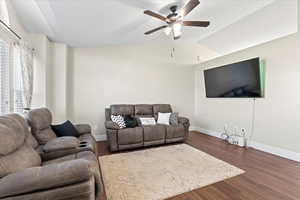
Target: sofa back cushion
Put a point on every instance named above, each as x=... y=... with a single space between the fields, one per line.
x=122 y=109
x=143 y=109
x=40 y=121
x=15 y=153
x=162 y=108
x=24 y=157
x=29 y=139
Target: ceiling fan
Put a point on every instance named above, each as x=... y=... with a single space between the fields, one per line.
x=175 y=19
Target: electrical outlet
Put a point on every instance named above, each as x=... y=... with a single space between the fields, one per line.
x=243 y=132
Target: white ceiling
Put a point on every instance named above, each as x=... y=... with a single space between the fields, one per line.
x=92 y=23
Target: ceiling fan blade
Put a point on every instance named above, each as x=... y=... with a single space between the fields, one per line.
x=189 y=7
x=153 y=14
x=156 y=29
x=196 y=23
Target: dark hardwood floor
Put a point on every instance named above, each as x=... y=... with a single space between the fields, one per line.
x=267 y=177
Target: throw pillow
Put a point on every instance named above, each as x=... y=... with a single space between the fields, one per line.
x=163 y=118
x=147 y=121
x=130 y=122
x=65 y=129
x=174 y=119
x=118 y=119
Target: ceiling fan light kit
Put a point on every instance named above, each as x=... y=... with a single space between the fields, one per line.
x=175 y=20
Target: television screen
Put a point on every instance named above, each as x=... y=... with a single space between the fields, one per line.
x=238 y=80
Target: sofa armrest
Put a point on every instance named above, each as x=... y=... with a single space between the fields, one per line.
x=185 y=122
x=46 y=177
x=111 y=125
x=61 y=143
x=83 y=128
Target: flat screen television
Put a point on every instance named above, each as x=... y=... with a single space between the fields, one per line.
x=237 y=80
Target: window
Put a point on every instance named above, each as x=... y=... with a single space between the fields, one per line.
x=4 y=78
x=11 y=92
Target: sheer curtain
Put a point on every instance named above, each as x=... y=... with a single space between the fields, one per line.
x=23 y=73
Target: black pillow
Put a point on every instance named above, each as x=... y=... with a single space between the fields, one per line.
x=65 y=129
x=130 y=121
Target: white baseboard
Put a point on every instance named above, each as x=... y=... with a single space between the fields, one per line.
x=259 y=146
x=275 y=150
x=100 y=137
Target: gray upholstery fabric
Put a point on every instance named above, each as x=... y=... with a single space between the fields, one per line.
x=153 y=133
x=23 y=176
x=111 y=125
x=53 y=176
x=15 y=154
x=79 y=191
x=112 y=138
x=163 y=108
x=122 y=109
x=107 y=114
x=143 y=109
x=83 y=128
x=23 y=157
x=40 y=121
x=130 y=135
x=129 y=138
x=93 y=163
x=61 y=143
x=30 y=140
x=174 y=131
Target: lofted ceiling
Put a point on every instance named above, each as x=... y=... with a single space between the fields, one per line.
x=92 y=23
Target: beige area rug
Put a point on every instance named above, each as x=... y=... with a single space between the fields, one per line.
x=163 y=172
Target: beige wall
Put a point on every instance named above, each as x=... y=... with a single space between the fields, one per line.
x=57 y=75
x=128 y=74
x=277 y=115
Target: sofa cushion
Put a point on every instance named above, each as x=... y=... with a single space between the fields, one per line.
x=45 y=135
x=24 y=157
x=130 y=135
x=40 y=118
x=40 y=121
x=163 y=108
x=157 y=132
x=10 y=140
x=122 y=109
x=175 y=131
x=143 y=109
x=30 y=140
x=65 y=129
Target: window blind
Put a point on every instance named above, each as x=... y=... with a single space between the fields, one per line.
x=4 y=78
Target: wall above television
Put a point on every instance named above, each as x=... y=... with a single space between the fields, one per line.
x=238 y=80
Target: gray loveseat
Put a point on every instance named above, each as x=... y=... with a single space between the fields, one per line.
x=25 y=175
x=142 y=136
